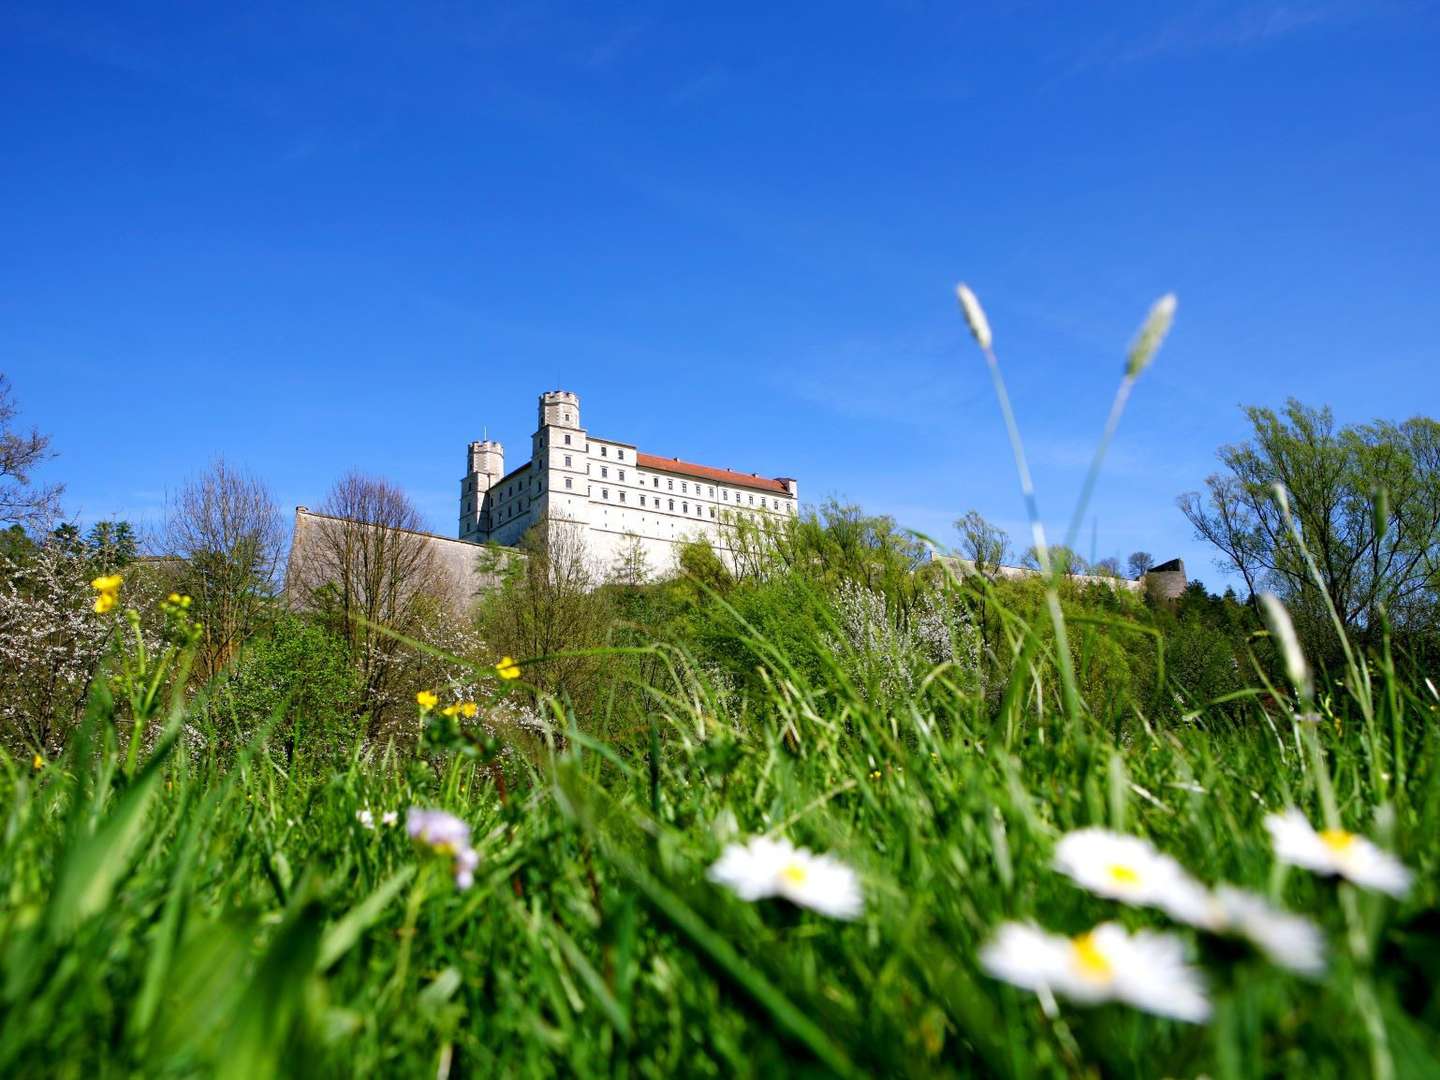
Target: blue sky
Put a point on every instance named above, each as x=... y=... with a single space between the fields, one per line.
x=323 y=236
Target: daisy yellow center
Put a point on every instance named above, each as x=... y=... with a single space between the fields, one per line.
x=1124 y=875
x=794 y=873
x=1337 y=840
x=1089 y=959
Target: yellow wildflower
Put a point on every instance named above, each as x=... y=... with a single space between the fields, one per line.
x=108 y=590
x=468 y=709
x=451 y=710
x=507 y=668
x=426 y=699
x=38 y=762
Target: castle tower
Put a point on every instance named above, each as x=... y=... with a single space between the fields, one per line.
x=559 y=408
x=562 y=450
x=485 y=464
x=487 y=458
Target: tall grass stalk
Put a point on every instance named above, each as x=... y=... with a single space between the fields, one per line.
x=1148 y=340
x=980 y=330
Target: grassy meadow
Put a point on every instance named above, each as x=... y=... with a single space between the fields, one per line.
x=216 y=876
x=195 y=915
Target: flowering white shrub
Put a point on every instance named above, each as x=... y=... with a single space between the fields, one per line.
x=888 y=654
x=52 y=640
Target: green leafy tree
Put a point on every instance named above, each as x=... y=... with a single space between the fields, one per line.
x=1365 y=498
x=984 y=544
x=299 y=672
x=1066 y=561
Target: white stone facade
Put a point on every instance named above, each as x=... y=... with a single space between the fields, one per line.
x=610 y=490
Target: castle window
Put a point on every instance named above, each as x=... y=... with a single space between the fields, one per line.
x=684 y=507
x=622 y=475
x=762 y=502
x=620 y=454
x=602 y=451
x=567 y=481
x=752 y=500
x=604 y=472
x=672 y=504
x=670 y=484
x=604 y=493
x=725 y=495
x=712 y=511
x=712 y=493
x=642 y=500
x=622 y=496
x=655 y=481
x=567 y=438
x=684 y=486
x=567 y=461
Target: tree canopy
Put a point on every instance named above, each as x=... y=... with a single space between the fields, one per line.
x=1363 y=498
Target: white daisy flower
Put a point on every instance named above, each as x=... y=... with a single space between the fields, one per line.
x=1129 y=869
x=1146 y=970
x=1335 y=851
x=1289 y=940
x=366 y=819
x=390 y=817
x=765 y=867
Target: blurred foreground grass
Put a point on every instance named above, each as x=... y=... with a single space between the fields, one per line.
x=196 y=916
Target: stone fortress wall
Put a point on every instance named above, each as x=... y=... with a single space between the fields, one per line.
x=1162 y=583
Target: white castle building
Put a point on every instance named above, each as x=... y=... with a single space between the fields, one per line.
x=616 y=494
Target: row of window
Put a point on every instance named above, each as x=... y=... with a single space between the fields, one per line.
x=684 y=505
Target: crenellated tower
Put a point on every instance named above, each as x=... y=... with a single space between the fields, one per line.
x=559 y=408
x=485 y=464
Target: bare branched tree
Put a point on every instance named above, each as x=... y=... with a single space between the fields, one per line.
x=1106 y=567
x=226 y=530
x=1140 y=563
x=22 y=502
x=366 y=565
x=631 y=567
x=550 y=607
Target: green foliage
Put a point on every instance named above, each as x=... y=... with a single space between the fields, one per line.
x=299 y=672
x=235 y=916
x=1364 y=497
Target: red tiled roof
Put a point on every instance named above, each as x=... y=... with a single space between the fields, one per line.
x=705 y=472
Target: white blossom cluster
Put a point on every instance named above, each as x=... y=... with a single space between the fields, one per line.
x=892 y=653
x=51 y=644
